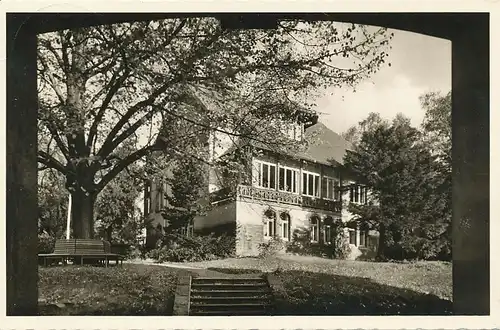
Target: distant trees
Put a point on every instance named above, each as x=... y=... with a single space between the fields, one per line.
x=105 y=86
x=52 y=204
x=119 y=219
x=410 y=175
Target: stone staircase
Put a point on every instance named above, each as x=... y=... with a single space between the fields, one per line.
x=230 y=296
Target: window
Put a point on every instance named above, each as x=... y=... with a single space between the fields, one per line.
x=270 y=224
x=285 y=226
x=328 y=234
x=352 y=236
x=288 y=179
x=329 y=230
x=336 y=190
x=358 y=194
x=147 y=198
x=330 y=188
x=310 y=184
x=265 y=175
x=362 y=238
x=314 y=229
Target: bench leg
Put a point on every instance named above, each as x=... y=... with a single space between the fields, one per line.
x=45 y=262
x=81 y=261
x=107 y=262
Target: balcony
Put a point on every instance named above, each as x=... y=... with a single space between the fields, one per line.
x=254 y=193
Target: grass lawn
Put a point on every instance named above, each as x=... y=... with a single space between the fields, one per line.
x=86 y=290
x=311 y=286
x=316 y=286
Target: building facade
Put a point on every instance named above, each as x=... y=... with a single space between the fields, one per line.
x=276 y=194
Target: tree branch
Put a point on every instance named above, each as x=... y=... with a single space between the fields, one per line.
x=50 y=162
x=49 y=78
x=109 y=96
x=125 y=162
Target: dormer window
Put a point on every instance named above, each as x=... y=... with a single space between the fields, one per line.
x=294 y=131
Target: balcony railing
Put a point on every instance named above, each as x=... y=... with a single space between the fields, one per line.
x=269 y=195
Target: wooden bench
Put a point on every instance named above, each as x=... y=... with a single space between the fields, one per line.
x=78 y=250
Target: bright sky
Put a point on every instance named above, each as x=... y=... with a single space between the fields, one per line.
x=419 y=64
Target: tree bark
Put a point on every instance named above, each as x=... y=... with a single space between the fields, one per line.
x=82 y=214
x=381 y=243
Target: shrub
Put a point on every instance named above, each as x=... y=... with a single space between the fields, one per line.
x=46 y=243
x=178 y=248
x=272 y=247
x=301 y=244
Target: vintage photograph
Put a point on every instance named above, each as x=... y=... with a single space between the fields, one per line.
x=193 y=165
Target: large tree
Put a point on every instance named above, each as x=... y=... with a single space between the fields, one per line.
x=105 y=85
x=437 y=128
x=405 y=178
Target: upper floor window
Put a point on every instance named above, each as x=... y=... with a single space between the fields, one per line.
x=358 y=194
x=265 y=175
x=310 y=184
x=330 y=188
x=288 y=179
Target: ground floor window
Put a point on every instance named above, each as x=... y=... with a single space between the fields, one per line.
x=314 y=229
x=270 y=224
x=363 y=238
x=352 y=236
x=285 y=226
x=328 y=234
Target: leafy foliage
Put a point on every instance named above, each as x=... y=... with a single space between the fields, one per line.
x=271 y=247
x=52 y=204
x=179 y=248
x=118 y=218
x=301 y=244
x=410 y=206
x=105 y=86
x=45 y=243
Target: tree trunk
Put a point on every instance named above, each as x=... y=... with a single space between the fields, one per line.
x=82 y=214
x=109 y=233
x=381 y=243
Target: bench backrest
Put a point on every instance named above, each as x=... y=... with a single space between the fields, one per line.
x=81 y=246
x=64 y=246
x=89 y=246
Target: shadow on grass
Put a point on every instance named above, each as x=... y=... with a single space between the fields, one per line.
x=137 y=290
x=308 y=293
x=236 y=271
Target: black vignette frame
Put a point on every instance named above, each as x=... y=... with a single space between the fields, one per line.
x=469 y=35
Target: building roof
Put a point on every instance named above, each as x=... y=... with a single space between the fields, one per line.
x=324 y=146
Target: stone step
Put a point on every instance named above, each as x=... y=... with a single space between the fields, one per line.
x=220 y=285
x=248 y=312
x=228 y=305
x=228 y=293
x=227 y=280
x=230 y=296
